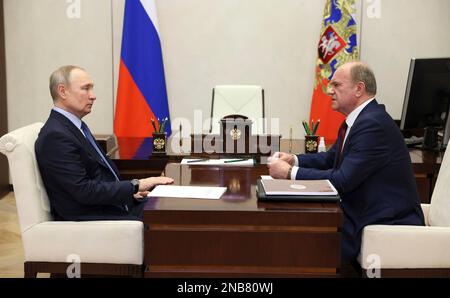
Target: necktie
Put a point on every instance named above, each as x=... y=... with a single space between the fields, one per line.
x=341 y=136
x=91 y=140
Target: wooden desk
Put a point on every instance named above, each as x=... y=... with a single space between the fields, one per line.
x=237 y=236
x=134 y=158
x=426 y=165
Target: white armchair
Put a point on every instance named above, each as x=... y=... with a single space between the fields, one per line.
x=99 y=247
x=244 y=100
x=420 y=251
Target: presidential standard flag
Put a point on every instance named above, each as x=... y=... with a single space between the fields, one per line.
x=337 y=45
x=141 y=91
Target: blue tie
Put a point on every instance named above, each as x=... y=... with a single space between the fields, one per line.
x=91 y=140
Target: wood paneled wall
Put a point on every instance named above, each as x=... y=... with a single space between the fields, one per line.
x=4 y=176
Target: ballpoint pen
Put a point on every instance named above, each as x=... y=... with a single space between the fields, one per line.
x=315 y=127
x=305 y=126
x=162 y=127
x=197 y=160
x=235 y=160
x=154 y=125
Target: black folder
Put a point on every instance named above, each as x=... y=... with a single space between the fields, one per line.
x=261 y=194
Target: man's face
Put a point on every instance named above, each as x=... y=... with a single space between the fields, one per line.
x=78 y=97
x=343 y=91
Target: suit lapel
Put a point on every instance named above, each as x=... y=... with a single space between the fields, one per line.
x=78 y=135
x=372 y=105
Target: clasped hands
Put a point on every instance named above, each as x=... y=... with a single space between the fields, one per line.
x=280 y=165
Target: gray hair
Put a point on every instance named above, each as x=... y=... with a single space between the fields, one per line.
x=361 y=72
x=60 y=76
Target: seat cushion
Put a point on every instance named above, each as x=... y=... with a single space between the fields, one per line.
x=406 y=246
x=116 y=242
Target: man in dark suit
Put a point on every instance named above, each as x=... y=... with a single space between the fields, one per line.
x=369 y=164
x=81 y=181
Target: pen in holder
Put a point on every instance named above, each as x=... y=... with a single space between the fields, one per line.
x=159 y=136
x=311 y=139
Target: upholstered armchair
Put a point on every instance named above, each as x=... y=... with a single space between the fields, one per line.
x=413 y=251
x=97 y=247
x=246 y=100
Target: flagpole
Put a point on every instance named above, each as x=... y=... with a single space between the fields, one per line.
x=360 y=26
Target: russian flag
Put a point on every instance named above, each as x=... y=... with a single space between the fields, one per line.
x=141 y=91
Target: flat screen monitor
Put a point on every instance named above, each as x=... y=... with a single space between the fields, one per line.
x=427 y=97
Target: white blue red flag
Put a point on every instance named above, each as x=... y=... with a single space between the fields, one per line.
x=141 y=91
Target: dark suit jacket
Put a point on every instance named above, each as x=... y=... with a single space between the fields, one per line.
x=375 y=178
x=79 y=184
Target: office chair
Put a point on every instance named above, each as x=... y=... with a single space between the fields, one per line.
x=413 y=251
x=99 y=247
x=243 y=100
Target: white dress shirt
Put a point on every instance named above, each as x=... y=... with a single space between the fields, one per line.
x=74 y=119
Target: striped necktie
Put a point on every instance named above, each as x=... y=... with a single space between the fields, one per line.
x=91 y=140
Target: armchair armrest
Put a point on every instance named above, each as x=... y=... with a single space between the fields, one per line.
x=406 y=246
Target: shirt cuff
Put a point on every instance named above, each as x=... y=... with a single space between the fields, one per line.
x=295 y=161
x=294 y=172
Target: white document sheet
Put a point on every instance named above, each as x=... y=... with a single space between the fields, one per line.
x=190 y=192
x=234 y=162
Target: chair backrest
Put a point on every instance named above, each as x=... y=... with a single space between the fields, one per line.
x=246 y=100
x=440 y=201
x=32 y=201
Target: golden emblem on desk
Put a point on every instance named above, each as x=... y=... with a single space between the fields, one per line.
x=311 y=146
x=159 y=143
x=235 y=134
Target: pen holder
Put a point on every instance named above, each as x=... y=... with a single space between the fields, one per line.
x=159 y=142
x=311 y=143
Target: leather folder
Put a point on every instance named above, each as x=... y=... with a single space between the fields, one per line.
x=261 y=194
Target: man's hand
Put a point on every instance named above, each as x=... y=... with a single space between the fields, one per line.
x=289 y=158
x=141 y=195
x=148 y=183
x=279 y=168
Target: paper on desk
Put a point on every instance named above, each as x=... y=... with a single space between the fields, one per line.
x=236 y=162
x=189 y=192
